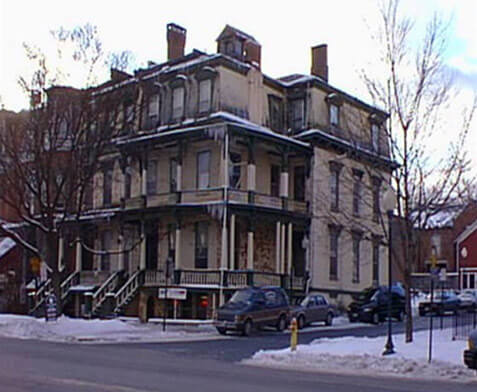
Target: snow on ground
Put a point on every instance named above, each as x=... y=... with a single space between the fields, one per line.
x=98 y=331
x=364 y=356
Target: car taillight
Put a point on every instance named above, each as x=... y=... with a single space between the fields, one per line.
x=471 y=344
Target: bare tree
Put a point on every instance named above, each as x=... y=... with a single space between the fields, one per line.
x=415 y=88
x=51 y=153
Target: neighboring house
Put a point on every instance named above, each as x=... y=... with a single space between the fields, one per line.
x=225 y=177
x=447 y=233
x=466 y=247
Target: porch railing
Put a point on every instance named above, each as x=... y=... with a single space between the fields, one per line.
x=197 y=277
x=154 y=278
x=70 y=281
x=109 y=286
x=129 y=289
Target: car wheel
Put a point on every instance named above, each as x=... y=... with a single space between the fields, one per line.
x=301 y=322
x=221 y=330
x=375 y=318
x=247 y=328
x=281 y=324
x=329 y=319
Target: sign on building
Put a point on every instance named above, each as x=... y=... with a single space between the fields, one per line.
x=173 y=293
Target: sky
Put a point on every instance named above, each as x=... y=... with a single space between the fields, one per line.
x=286 y=31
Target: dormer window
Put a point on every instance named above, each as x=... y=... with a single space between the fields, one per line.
x=205 y=95
x=297 y=114
x=177 y=103
x=375 y=137
x=153 y=111
x=334 y=114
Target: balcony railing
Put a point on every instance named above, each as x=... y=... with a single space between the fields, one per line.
x=234 y=196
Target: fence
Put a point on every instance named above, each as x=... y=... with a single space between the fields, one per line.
x=463 y=324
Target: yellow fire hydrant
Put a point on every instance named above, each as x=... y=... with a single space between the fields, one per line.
x=294 y=334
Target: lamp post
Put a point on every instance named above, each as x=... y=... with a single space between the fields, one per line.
x=389 y=204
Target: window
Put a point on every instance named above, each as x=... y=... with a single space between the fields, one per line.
x=105 y=247
x=436 y=244
x=357 y=191
x=128 y=114
x=234 y=170
x=335 y=169
x=376 y=261
x=299 y=183
x=334 y=235
x=275 y=180
x=127 y=238
x=201 y=244
x=173 y=175
x=153 y=111
x=297 y=113
x=205 y=95
x=334 y=114
x=275 y=109
x=356 y=256
x=376 y=185
x=107 y=186
x=177 y=103
x=127 y=183
x=375 y=137
x=151 y=178
x=203 y=170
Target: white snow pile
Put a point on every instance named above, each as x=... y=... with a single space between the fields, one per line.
x=364 y=356
x=98 y=331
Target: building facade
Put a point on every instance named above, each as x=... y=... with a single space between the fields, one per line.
x=225 y=177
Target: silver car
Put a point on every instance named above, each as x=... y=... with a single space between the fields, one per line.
x=313 y=308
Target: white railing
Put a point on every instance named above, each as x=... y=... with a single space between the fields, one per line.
x=129 y=289
x=107 y=287
x=67 y=283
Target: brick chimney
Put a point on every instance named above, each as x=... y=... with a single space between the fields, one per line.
x=176 y=38
x=319 y=61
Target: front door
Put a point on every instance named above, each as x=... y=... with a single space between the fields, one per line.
x=298 y=253
x=152 y=238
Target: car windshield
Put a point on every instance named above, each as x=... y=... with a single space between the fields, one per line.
x=365 y=295
x=305 y=301
x=241 y=296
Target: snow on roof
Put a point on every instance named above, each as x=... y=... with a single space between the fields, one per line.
x=6 y=244
x=437 y=218
x=219 y=115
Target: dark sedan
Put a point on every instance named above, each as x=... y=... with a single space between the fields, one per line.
x=470 y=355
x=442 y=302
x=313 y=308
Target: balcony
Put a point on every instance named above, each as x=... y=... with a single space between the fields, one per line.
x=218 y=195
x=235 y=279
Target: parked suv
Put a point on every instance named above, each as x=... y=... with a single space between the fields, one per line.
x=253 y=308
x=371 y=305
x=442 y=302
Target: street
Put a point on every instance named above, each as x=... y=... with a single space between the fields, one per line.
x=213 y=365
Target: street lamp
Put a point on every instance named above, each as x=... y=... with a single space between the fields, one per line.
x=389 y=203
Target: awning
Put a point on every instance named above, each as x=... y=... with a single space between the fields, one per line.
x=6 y=245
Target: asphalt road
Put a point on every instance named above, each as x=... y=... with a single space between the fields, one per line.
x=200 y=366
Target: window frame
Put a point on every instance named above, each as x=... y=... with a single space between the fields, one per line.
x=235 y=170
x=108 y=185
x=334 y=233
x=201 y=259
x=152 y=177
x=356 y=238
x=357 y=191
x=175 y=115
x=275 y=185
x=205 y=106
x=198 y=170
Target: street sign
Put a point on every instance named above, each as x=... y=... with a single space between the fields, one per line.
x=173 y=293
x=50 y=308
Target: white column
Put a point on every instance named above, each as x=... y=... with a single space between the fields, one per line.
x=251 y=177
x=232 y=242
x=284 y=184
x=277 y=247
x=144 y=178
x=250 y=251
x=179 y=177
x=282 y=249
x=121 y=255
x=61 y=250
x=178 y=248
x=78 y=254
x=290 y=247
x=142 y=258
